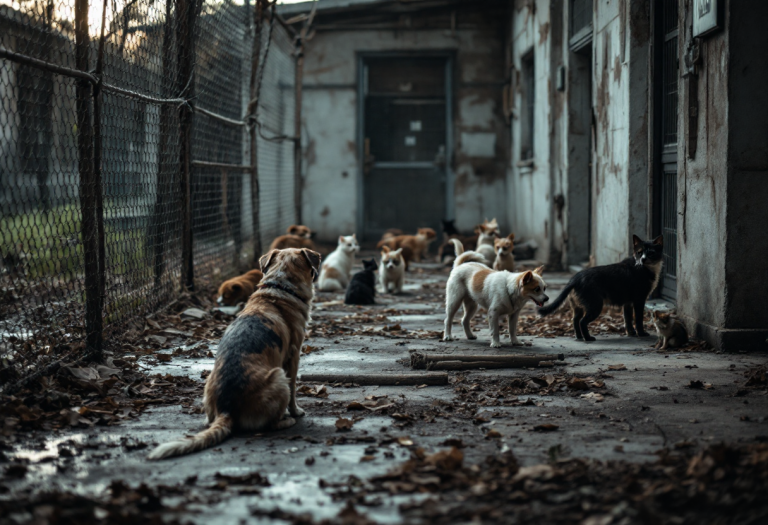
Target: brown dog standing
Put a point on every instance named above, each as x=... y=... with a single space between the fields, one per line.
x=414 y=246
x=253 y=380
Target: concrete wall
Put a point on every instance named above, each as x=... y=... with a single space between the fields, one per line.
x=747 y=248
x=702 y=190
x=530 y=186
x=723 y=184
x=329 y=120
x=621 y=174
x=551 y=198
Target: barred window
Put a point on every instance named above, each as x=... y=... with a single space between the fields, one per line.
x=528 y=107
x=581 y=24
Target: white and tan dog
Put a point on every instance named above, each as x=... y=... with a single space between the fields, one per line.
x=391 y=270
x=487 y=234
x=337 y=268
x=473 y=284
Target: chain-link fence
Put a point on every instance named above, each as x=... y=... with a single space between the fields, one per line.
x=142 y=144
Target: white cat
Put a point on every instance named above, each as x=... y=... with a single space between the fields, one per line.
x=391 y=270
x=336 y=270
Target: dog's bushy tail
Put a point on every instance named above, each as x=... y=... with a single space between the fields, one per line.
x=462 y=256
x=217 y=432
x=554 y=305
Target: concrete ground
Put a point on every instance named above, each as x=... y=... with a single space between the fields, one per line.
x=651 y=399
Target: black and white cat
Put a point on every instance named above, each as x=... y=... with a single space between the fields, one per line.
x=627 y=284
x=362 y=287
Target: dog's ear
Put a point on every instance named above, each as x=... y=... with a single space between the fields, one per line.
x=511 y=236
x=266 y=260
x=313 y=258
x=538 y=271
x=292 y=230
x=385 y=249
x=659 y=241
x=636 y=240
x=527 y=277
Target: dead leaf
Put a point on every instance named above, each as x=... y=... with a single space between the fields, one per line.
x=446 y=459
x=576 y=383
x=546 y=427
x=593 y=396
x=344 y=424
x=193 y=313
x=86 y=374
x=617 y=367
x=320 y=392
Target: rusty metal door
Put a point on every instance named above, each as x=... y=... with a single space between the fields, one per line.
x=404 y=142
x=665 y=180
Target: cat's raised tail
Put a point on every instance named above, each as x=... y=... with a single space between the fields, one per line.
x=554 y=305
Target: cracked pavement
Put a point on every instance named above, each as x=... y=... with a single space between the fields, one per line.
x=650 y=400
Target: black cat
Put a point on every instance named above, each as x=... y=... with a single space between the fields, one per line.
x=362 y=287
x=449 y=228
x=627 y=284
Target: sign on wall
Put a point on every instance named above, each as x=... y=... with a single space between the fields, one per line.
x=706 y=16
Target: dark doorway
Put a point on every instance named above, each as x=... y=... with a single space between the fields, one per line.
x=665 y=180
x=580 y=132
x=404 y=142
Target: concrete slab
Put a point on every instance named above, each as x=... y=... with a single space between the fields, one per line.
x=647 y=404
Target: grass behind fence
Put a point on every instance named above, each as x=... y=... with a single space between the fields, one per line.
x=42 y=244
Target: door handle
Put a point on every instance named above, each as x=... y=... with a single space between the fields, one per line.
x=367 y=157
x=440 y=157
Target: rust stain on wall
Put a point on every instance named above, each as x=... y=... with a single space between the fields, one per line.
x=310 y=155
x=352 y=147
x=543 y=33
x=640 y=23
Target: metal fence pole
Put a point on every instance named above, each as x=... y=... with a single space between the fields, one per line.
x=89 y=187
x=258 y=23
x=186 y=14
x=298 y=181
x=165 y=161
x=97 y=160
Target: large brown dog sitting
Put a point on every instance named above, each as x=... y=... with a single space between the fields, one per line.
x=253 y=380
x=238 y=289
x=298 y=236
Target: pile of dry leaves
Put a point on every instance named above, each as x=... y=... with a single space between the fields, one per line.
x=560 y=323
x=121 y=505
x=94 y=395
x=720 y=484
x=495 y=391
